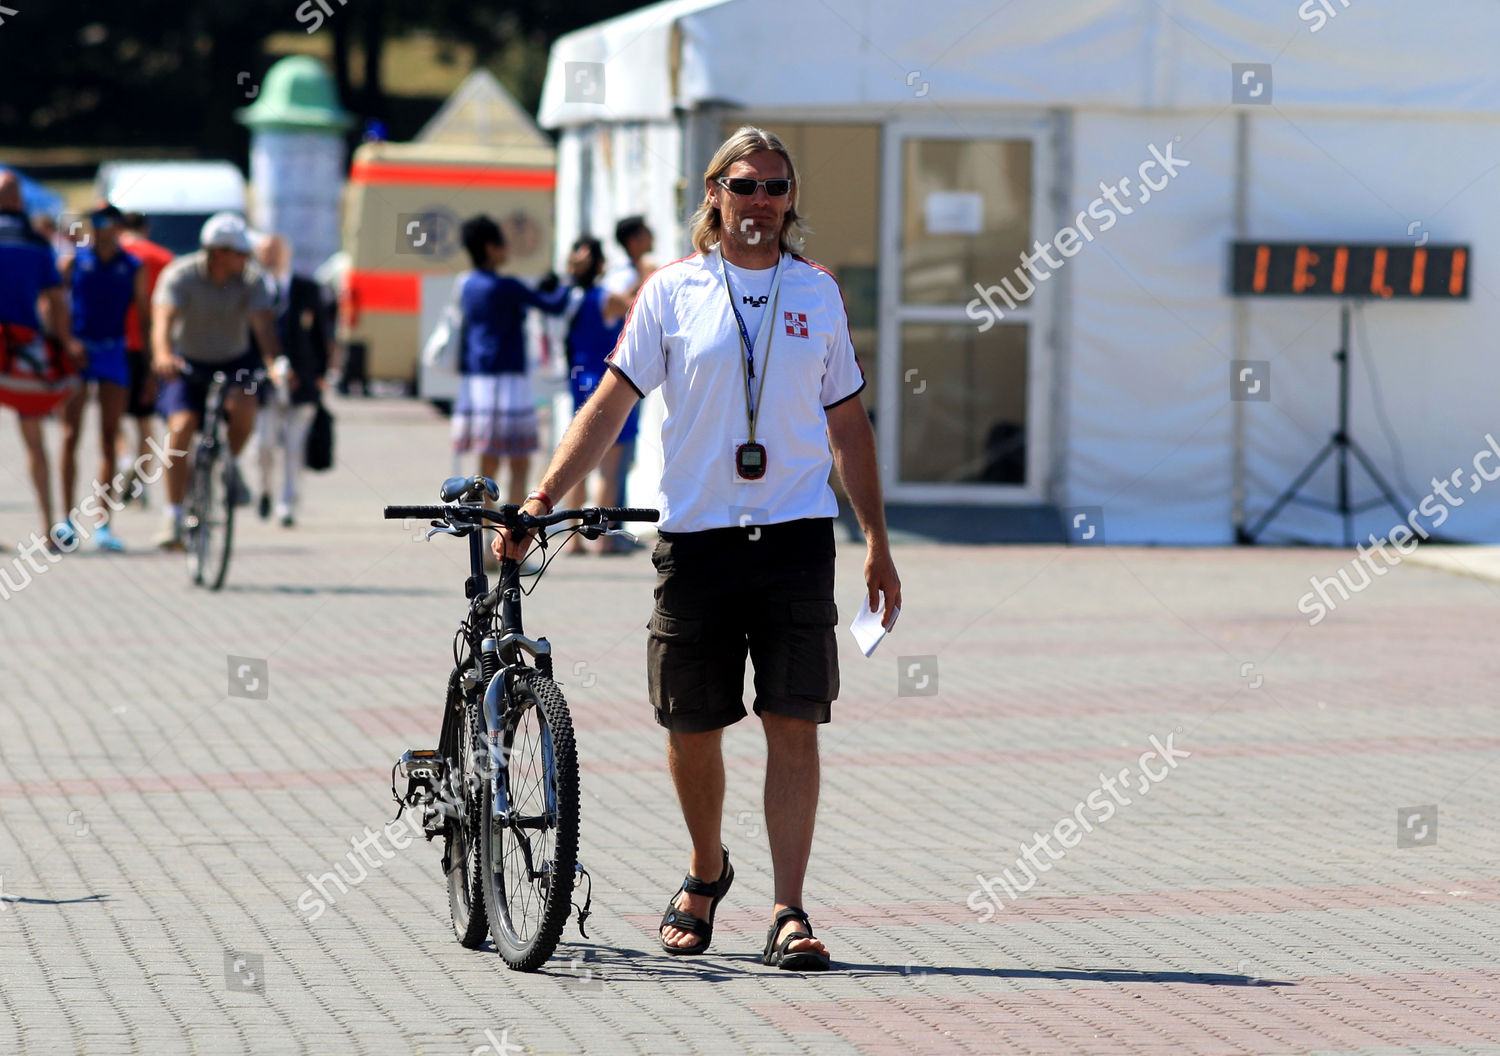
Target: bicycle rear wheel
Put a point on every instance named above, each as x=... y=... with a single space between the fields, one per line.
x=529 y=843
x=463 y=748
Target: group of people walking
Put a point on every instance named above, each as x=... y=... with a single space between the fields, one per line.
x=495 y=413
x=120 y=324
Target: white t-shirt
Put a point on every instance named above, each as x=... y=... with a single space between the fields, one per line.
x=620 y=278
x=682 y=337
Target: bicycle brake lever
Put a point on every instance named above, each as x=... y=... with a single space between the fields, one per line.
x=445 y=529
x=621 y=531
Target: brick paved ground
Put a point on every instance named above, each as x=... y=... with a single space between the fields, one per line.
x=155 y=830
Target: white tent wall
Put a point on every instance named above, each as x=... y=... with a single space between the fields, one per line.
x=1091 y=54
x=1382 y=115
x=1335 y=179
x=1149 y=425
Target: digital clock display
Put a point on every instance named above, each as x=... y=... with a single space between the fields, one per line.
x=1348 y=269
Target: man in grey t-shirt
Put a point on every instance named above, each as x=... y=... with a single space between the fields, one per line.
x=202 y=312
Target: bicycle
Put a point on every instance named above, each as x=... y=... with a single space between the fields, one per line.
x=501 y=788
x=208 y=515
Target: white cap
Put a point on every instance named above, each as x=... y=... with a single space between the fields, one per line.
x=225 y=231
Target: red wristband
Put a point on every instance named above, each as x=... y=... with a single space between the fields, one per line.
x=543 y=496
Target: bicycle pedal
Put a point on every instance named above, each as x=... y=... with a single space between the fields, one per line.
x=421 y=764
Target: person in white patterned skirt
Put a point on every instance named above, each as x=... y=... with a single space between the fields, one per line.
x=494 y=413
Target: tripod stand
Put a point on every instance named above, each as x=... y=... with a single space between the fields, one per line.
x=1342 y=443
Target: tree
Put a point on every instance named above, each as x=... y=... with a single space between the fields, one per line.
x=171 y=73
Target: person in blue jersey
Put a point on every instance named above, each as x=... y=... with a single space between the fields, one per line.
x=103 y=282
x=494 y=414
x=594 y=318
x=32 y=302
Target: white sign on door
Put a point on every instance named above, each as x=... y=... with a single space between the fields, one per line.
x=954 y=213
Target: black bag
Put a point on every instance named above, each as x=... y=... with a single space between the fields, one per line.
x=319 y=454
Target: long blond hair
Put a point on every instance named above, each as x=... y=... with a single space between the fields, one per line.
x=747 y=140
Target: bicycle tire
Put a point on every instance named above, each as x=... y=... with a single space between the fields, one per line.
x=462 y=740
x=221 y=538
x=527 y=913
x=209 y=539
x=199 y=496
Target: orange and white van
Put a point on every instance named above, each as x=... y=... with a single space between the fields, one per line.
x=402 y=214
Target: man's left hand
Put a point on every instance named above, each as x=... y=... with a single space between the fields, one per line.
x=880 y=577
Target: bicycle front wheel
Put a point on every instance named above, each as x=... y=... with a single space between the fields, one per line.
x=218 y=524
x=529 y=846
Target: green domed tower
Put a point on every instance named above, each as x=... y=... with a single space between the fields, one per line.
x=297 y=162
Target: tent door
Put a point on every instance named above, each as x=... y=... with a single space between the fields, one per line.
x=963 y=376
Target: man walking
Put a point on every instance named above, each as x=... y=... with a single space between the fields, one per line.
x=750 y=346
x=202 y=311
x=141 y=403
x=105 y=282
x=29 y=281
x=287 y=412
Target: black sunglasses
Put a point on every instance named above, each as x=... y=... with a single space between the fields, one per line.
x=744 y=186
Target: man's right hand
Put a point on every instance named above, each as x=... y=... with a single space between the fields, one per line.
x=515 y=547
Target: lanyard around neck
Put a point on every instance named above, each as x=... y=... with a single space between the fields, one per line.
x=747 y=365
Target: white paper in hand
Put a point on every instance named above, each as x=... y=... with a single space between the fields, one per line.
x=866 y=628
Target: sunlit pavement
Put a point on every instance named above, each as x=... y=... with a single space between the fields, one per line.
x=1316 y=867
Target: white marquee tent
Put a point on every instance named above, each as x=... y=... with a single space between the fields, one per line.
x=1381 y=125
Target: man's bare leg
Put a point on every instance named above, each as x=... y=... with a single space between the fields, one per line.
x=609 y=469
x=41 y=480
x=791 y=802
x=696 y=762
x=604 y=492
x=241 y=409
x=111 y=407
x=518 y=467
x=489 y=466
x=181 y=428
x=72 y=431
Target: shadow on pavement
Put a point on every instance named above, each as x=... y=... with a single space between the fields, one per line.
x=52 y=901
x=290 y=588
x=1105 y=975
x=613 y=964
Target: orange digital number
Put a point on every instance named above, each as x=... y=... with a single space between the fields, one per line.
x=1377 y=275
x=1262 y=265
x=1340 y=268
x=1418 y=271
x=1456 y=273
x=1302 y=277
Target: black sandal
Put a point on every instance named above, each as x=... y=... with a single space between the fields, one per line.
x=776 y=955
x=682 y=920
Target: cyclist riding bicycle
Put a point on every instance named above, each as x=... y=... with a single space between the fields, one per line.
x=204 y=306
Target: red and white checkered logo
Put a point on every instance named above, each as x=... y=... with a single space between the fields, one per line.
x=796 y=324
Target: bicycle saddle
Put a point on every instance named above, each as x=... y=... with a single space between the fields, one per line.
x=469 y=489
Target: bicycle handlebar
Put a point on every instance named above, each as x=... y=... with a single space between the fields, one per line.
x=512 y=517
x=397 y=513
